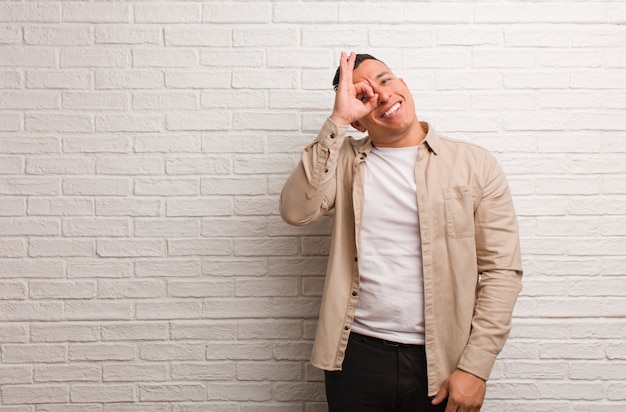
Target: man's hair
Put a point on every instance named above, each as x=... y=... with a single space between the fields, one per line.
x=360 y=58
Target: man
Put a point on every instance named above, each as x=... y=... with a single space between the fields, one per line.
x=424 y=267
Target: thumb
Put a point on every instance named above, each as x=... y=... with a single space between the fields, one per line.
x=442 y=394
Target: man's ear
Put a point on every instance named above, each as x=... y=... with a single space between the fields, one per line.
x=358 y=126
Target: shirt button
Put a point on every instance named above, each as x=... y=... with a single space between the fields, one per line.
x=354 y=293
x=332 y=135
x=346 y=328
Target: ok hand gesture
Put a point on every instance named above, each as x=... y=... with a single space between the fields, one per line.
x=352 y=101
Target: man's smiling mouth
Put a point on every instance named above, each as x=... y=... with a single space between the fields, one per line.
x=392 y=110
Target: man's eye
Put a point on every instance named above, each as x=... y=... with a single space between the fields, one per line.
x=386 y=80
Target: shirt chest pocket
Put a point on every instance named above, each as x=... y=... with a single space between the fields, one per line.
x=459 y=201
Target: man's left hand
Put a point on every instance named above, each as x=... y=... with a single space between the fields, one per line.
x=465 y=392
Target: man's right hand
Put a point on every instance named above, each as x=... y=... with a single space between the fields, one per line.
x=352 y=101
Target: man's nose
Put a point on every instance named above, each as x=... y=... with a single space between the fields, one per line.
x=383 y=95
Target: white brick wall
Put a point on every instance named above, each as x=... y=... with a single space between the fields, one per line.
x=143 y=145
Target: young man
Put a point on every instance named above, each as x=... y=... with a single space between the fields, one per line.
x=424 y=267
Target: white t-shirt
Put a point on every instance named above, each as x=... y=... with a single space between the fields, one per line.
x=391 y=296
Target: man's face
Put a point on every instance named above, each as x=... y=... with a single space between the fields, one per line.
x=395 y=112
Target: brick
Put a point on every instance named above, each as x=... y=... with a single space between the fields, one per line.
x=168 y=267
x=95 y=101
x=197 y=121
x=232 y=58
x=13 y=290
x=87 y=227
x=239 y=391
x=60 y=248
x=128 y=79
x=267 y=287
x=30 y=100
x=24 y=268
x=129 y=123
x=101 y=352
x=188 y=309
x=66 y=165
x=60 y=207
x=578 y=13
x=97 y=310
x=172 y=392
x=129 y=248
x=85 y=12
x=237 y=13
x=40 y=353
x=142 y=372
x=64 y=332
x=454 y=80
x=165 y=13
x=214 y=206
x=203 y=330
x=28 y=227
x=199 y=289
x=167 y=228
x=166 y=186
x=58 y=123
x=178 y=144
x=35 y=394
x=116 y=289
x=95 y=58
x=62 y=290
x=10 y=79
x=67 y=373
x=13 y=375
x=264 y=79
x=205 y=371
x=510 y=13
x=27 y=57
x=96 y=186
x=13 y=207
x=233 y=186
x=11 y=165
x=265 y=247
x=11 y=248
x=197 y=79
x=167 y=351
x=304 y=13
x=240 y=351
x=234 y=308
x=272 y=371
x=339 y=36
x=198 y=165
x=102 y=393
x=134 y=331
x=122 y=34
x=46 y=79
x=127 y=207
x=58 y=36
x=165 y=58
x=10 y=122
x=165 y=101
x=275 y=330
x=233 y=226
x=101 y=144
x=118 y=165
x=198 y=36
x=258 y=121
x=234 y=99
x=99 y=269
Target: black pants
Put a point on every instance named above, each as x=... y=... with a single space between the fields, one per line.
x=380 y=376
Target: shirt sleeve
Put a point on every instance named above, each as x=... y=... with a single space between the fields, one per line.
x=500 y=268
x=309 y=192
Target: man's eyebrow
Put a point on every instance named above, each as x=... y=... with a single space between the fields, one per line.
x=379 y=75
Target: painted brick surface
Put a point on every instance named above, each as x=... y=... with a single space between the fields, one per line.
x=143 y=146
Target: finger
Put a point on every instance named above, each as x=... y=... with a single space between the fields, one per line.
x=364 y=88
x=346 y=66
x=441 y=396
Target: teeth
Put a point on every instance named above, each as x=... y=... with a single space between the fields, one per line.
x=393 y=109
